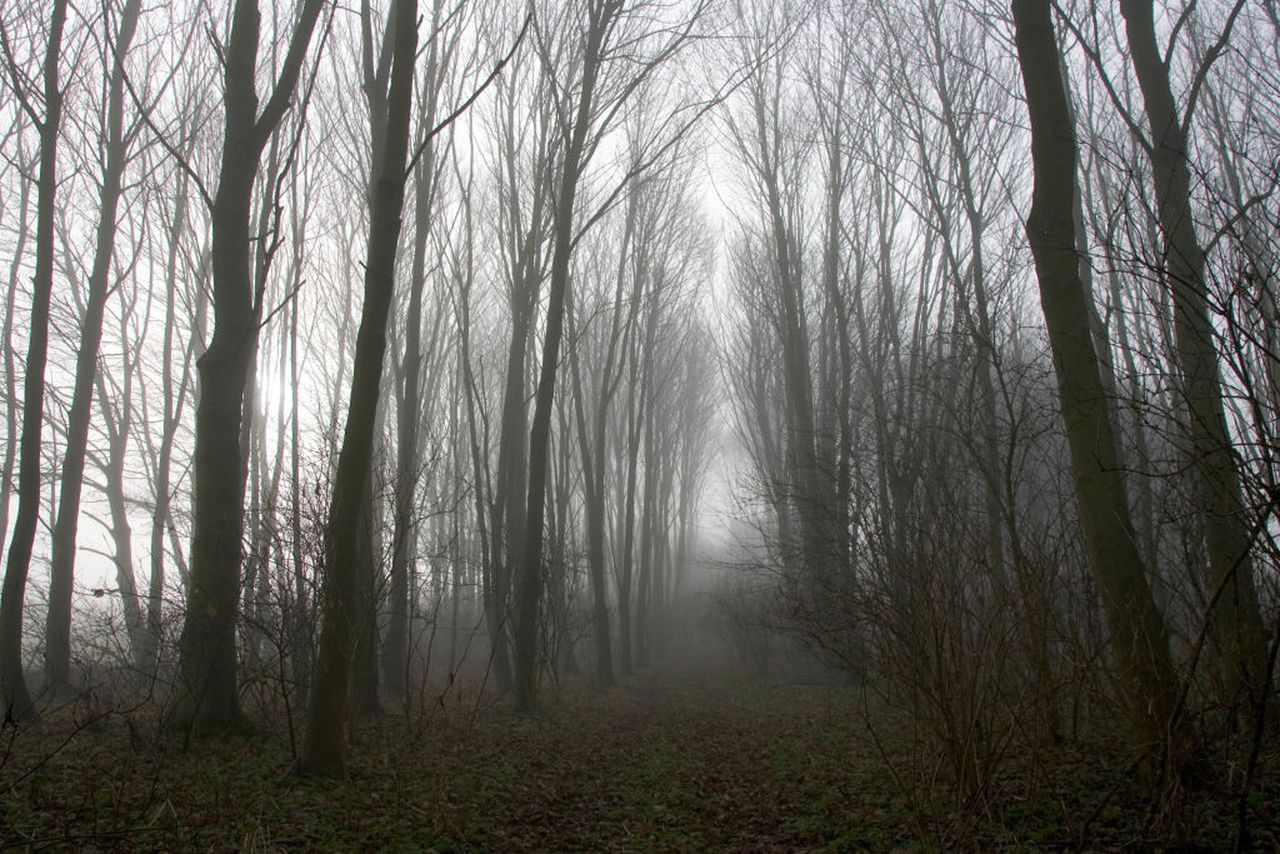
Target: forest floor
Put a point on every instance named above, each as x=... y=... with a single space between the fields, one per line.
x=682 y=761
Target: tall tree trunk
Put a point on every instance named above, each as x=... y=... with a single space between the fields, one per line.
x=405 y=535
x=558 y=553
x=528 y=576
x=657 y=591
x=1138 y=632
x=975 y=308
x=509 y=510
x=170 y=418
x=10 y=370
x=525 y=259
x=478 y=445
x=119 y=424
x=648 y=527
x=799 y=452
x=836 y=435
x=1236 y=620
x=592 y=441
x=364 y=662
x=207 y=650
x=637 y=403
x=324 y=746
x=253 y=426
x=302 y=629
x=14 y=695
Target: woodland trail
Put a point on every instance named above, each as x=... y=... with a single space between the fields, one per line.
x=677 y=763
x=681 y=761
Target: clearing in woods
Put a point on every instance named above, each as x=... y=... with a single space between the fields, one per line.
x=666 y=761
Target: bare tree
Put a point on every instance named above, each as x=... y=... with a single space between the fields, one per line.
x=441 y=55
x=174 y=398
x=62 y=565
x=523 y=221
x=24 y=165
x=609 y=361
x=324 y=747
x=1137 y=627
x=600 y=21
x=1235 y=615
x=208 y=644
x=13 y=684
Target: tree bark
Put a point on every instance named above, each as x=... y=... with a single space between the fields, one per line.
x=593 y=448
x=508 y=508
x=118 y=426
x=364 y=662
x=409 y=412
x=171 y=410
x=302 y=628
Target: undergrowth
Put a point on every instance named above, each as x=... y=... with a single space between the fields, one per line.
x=664 y=762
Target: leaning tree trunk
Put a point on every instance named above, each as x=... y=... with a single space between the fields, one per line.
x=1147 y=679
x=13 y=683
x=1236 y=619
x=324 y=746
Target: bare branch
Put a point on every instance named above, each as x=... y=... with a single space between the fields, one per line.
x=183 y=163
x=471 y=99
x=1095 y=57
x=21 y=87
x=1211 y=56
x=278 y=101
